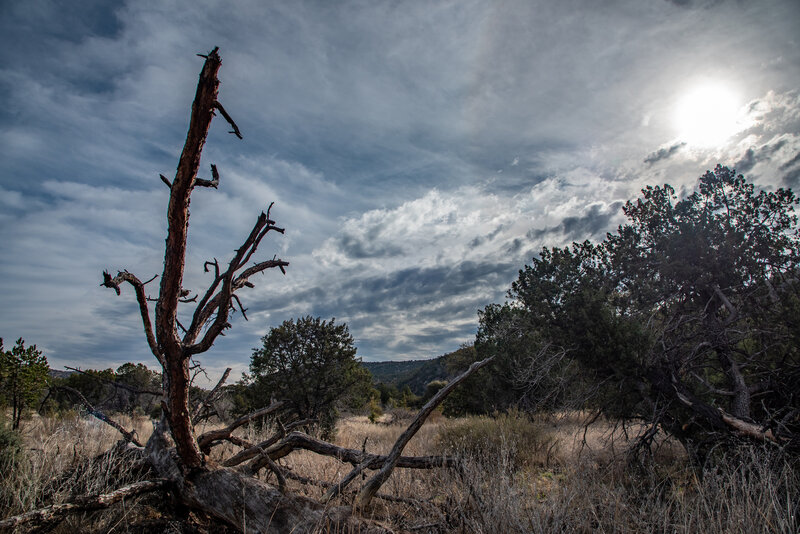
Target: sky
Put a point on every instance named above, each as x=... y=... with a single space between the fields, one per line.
x=419 y=153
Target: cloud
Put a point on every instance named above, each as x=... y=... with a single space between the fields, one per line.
x=755 y=155
x=664 y=153
x=376 y=128
x=791 y=163
x=596 y=220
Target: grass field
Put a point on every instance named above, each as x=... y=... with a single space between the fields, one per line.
x=546 y=475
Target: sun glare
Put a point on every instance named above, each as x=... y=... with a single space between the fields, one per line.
x=707 y=116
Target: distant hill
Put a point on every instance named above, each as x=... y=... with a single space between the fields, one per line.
x=416 y=374
x=393 y=372
x=55 y=373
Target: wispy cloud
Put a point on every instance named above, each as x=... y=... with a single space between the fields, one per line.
x=664 y=153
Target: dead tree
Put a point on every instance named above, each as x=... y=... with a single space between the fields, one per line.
x=179 y=455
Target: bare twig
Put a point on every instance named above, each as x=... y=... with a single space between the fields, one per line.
x=138 y=286
x=211 y=396
x=214 y=182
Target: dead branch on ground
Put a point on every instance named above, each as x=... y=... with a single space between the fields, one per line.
x=55 y=512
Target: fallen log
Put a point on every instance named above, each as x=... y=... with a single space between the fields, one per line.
x=55 y=512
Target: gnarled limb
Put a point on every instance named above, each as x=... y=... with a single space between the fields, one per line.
x=300 y=441
x=208 y=438
x=141 y=297
x=219 y=301
x=250 y=451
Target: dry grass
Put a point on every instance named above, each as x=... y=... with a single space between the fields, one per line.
x=69 y=456
x=547 y=475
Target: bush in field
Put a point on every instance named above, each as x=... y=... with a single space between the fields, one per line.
x=10 y=447
x=10 y=456
x=512 y=438
x=311 y=364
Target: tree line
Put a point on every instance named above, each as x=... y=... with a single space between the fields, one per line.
x=687 y=318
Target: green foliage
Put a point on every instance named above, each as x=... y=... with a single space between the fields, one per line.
x=416 y=374
x=690 y=307
x=432 y=389
x=12 y=456
x=103 y=389
x=10 y=447
x=375 y=408
x=393 y=372
x=312 y=365
x=23 y=377
x=388 y=393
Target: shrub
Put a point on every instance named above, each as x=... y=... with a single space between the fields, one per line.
x=512 y=437
x=375 y=409
x=10 y=447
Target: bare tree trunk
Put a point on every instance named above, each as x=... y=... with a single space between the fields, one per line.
x=231 y=495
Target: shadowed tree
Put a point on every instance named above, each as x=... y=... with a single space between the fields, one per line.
x=685 y=318
x=312 y=365
x=23 y=377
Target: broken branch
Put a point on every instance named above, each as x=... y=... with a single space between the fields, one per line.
x=228 y=118
x=129 y=436
x=214 y=182
x=141 y=297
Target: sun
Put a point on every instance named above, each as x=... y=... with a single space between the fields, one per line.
x=707 y=116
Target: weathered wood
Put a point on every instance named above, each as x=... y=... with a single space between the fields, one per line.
x=141 y=298
x=300 y=441
x=55 y=512
x=208 y=438
x=372 y=486
x=247 y=503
